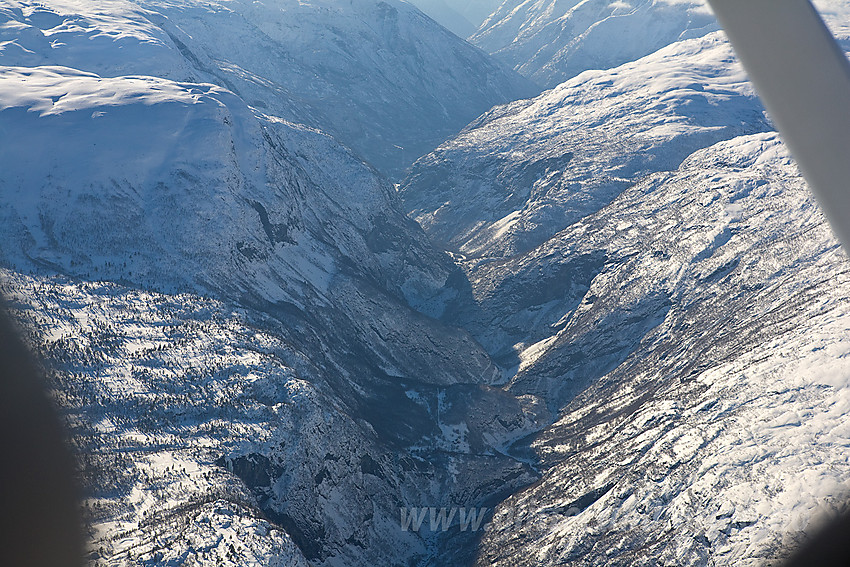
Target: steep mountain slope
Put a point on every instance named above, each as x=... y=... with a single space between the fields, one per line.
x=206 y=437
x=687 y=327
x=265 y=362
x=195 y=205
x=206 y=197
x=702 y=373
x=524 y=171
x=379 y=76
x=152 y=375
x=550 y=41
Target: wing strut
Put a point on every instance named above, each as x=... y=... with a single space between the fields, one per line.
x=803 y=78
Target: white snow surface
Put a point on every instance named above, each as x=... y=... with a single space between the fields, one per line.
x=380 y=76
x=550 y=41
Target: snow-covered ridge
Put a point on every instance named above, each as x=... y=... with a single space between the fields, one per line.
x=110 y=38
x=550 y=41
x=381 y=77
x=524 y=171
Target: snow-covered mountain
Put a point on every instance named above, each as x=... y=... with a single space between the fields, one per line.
x=639 y=356
x=700 y=365
x=684 y=316
x=524 y=171
x=379 y=76
x=551 y=41
x=175 y=251
x=179 y=187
